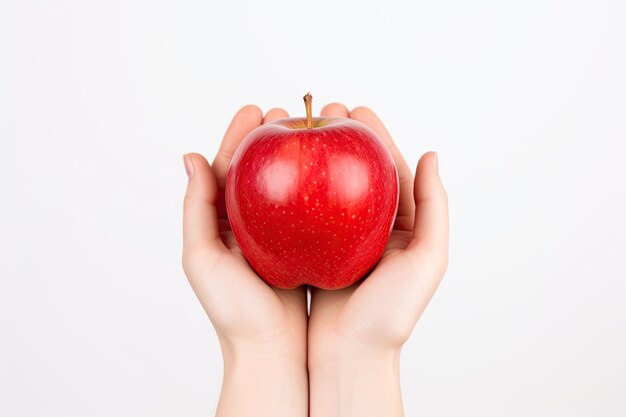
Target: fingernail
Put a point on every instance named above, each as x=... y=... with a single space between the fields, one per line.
x=436 y=162
x=188 y=165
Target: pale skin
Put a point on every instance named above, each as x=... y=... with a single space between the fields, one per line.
x=342 y=359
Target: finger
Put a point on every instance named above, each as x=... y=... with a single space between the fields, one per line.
x=275 y=114
x=245 y=120
x=200 y=227
x=335 y=110
x=406 y=205
x=430 y=232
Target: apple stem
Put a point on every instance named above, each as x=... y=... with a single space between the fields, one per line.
x=308 y=104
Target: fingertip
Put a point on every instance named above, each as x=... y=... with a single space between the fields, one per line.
x=427 y=175
x=275 y=113
x=245 y=120
x=201 y=176
x=248 y=117
x=431 y=201
x=369 y=118
x=429 y=161
x=194 y=161
x=361 y=112
x=251 y=113
x=188 y=165
x=200 y=230
x=428 y=185
x=335 y=110
x=192 y=156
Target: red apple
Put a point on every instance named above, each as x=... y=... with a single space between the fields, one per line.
x=312 y=200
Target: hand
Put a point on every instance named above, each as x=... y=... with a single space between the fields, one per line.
x=262 y=330
x=356 y=334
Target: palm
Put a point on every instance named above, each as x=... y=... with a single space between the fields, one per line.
x=244 y=303
x=377 y=311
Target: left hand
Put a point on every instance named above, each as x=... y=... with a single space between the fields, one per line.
x=262 y=330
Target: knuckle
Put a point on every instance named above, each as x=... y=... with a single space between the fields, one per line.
x=189 y=201
x=196 y=258
x=187 y=261
x=190 y=258
x=225 y=154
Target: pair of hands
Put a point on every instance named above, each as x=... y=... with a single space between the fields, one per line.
x=350 y=342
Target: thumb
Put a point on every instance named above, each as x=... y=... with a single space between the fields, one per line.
x=430 y=230
x=200 y=225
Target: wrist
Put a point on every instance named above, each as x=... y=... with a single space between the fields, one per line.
x=340 y=348
x=262 y=384
x=293 y=353
x=363 y=384
x=263 y=380
x=261 y=363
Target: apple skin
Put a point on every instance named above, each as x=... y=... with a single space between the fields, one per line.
x=312 y=206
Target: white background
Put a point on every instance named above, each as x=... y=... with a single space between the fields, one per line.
x=525 y=102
